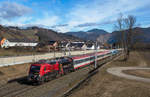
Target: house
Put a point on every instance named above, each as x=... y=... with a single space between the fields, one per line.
x=90 y=46
x=77 y=45
x=48 y=46
x=52 y=43
x=6 y=43
x=64 y=44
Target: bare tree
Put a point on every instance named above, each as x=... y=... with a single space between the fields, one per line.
x=120 y=34
x=125 y=33
x=130 y=24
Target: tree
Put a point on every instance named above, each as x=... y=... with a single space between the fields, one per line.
x=125 y=33
x=120 y=34
x=130 y=24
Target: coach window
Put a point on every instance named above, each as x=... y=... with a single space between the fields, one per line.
x=79 y=61
x=76 y=62
x=83 y=60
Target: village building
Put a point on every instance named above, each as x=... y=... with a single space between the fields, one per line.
x=92 y=46
x=7 y=43
x=48 y=46
x=77 y=45
x=64 y=44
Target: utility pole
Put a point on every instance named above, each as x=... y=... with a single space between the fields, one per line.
x=64 y=51
x=54 y=53
x=95 y=55
x=69 y=49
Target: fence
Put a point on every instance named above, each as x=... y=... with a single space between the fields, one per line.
x=32 y=58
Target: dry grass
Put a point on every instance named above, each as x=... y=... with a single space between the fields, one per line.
x=107 y=85
x=141 y=73
x=15 y=52
x=146 y=56
x=11 y=72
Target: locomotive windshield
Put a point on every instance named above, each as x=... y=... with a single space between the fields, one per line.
x=52 y=62
x=35 y=69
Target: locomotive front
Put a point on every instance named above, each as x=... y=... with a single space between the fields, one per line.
x=34 y=73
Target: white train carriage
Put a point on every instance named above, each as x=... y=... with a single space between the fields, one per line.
x=84 y=60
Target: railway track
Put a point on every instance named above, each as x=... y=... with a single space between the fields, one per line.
x=17 y=91
x=13 y=89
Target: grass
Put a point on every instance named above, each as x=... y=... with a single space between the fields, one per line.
x=140 y=73
x=146 y=56
x=15 y=71
x=107 y=85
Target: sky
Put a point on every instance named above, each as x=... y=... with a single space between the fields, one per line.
x=72 y=15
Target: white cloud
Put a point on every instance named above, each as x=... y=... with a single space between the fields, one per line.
x=25 y=21
x=11 y=10
x=94 y=13
x=21 y=21
x=98 y=11
x=47 y=21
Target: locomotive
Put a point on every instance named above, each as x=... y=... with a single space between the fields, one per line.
x=45 y=70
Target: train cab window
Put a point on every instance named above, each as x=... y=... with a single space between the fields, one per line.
x=35 y=69
x=52 y=62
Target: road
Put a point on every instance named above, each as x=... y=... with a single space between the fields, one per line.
x=31 y=58
x=118 y=71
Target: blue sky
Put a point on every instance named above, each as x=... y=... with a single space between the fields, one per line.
x=72 y=15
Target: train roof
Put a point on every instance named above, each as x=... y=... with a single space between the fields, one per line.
x=65 y=59
x=88 y=55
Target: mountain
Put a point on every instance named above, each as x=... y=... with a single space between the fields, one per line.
x=141 y=35
x=96 y=31
x=35 y=34
x=92 y=34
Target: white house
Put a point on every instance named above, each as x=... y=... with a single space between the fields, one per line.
x=90 y=47
x=6 y=43
x=77 y=45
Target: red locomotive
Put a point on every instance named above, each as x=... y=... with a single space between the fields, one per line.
x=45 y=70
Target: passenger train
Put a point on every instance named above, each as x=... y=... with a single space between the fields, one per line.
x=45 y=70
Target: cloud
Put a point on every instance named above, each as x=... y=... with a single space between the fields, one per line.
x=97 y=11
x=83 y=15
x=47 y=21
x=10 y=10
x=59 y=25
x=62 y=29
x=88 y=24
x=94 y=24
x=21 y=21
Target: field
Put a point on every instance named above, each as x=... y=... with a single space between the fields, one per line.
x=104 y=84
x=11 y=72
